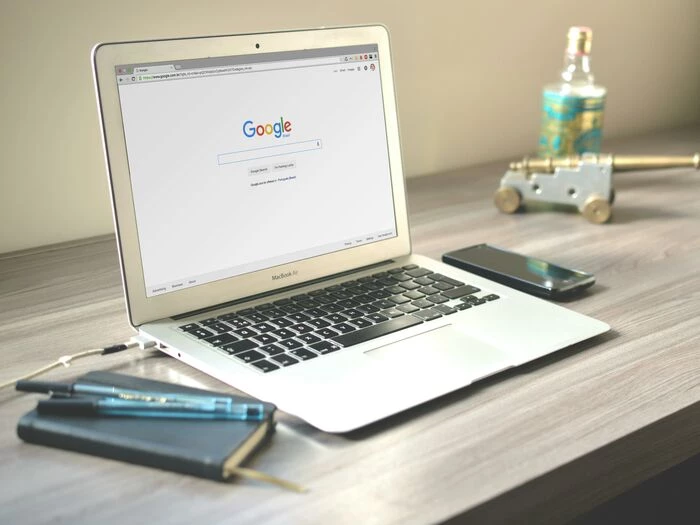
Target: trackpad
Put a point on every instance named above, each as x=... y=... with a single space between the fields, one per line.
x=446 y=351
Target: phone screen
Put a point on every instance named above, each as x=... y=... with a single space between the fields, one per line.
x=509 y=267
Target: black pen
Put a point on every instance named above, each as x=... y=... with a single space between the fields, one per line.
x=150 y=409
x=48 y=387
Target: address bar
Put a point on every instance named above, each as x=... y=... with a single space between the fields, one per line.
x=226 y=70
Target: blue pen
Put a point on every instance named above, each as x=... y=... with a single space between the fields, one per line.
x=150 y=409
x=48 y=387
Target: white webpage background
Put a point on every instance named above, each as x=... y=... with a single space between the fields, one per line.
x=196 y=217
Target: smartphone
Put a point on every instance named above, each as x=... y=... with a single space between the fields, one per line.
x=528 y=274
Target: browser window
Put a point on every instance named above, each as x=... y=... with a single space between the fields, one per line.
x=243 y=163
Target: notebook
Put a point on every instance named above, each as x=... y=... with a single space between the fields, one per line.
x=211 y=449
x=260 y=210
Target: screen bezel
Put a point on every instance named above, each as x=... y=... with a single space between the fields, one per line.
x=142 y=309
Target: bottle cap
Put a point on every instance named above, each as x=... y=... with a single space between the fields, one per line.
x=579 y=40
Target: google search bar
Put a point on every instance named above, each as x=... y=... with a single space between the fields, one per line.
x=269 y=151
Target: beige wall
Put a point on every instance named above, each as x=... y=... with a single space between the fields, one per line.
x=468 y=73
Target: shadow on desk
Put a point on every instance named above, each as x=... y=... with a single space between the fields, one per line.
x=670 y=497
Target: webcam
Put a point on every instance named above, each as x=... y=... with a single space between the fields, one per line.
x=257 y=46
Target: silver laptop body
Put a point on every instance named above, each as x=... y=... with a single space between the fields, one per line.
x=260 y=211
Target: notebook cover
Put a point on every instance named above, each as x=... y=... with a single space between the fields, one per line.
x=196 y=447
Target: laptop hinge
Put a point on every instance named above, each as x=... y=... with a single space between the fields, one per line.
x=279 y=291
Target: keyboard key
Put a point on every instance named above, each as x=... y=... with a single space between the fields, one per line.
x=444 y=309
x=238 y=322
x=332 y=308
x=463 y=306
x=396 y=270
x=315 y=312
x=325 y=347
x=219 y=327
x=302 y=328
x=264 y=327
x=410 y=267
x=299 y=317
x=256 y=318
x=282 y=322
x=442 y=286
x=221 y=339
x=399 y=299
x=392 y=312
x=352 y=313
x=300 y=297
x=245 y=332
x=319 y=323
x=284 y=333
x=372 y=308
x=240 y=346
x=291 y=344
x=410 y=285
x=344 y=328
x=418 y=272
x=282 y=302
x=275 y=313
x=415 y=294
x=382 y=305
x=348 y=303
x=292 y=308
x=207 y=322
x=424 y=281
x=437 y=299
x=249 y=356
x=272 y=349
x=460 y=291
x=309 y=338
x=428 y=314
x=377 y=318
x=336 y=318
x=264 y=306
x=265 y=366
x=264 y=339
x=303 y=354
x=401 y=277
x=326 y=333
x=284 y=359
x=380 y=294
x=377 y=330
x=360 y=323
x=396 y=289
x=422 y=303
x=201 y=333
x=428 y=290
x=190 y=327
x=491 y=297
x=445 y=279
x=407 y=308
x=309 y=303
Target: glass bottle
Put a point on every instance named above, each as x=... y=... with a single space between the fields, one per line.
x=572 y=109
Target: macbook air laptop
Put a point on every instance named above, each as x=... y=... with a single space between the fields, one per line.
x=260 y=210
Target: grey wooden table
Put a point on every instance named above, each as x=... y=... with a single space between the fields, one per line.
x=544 y=442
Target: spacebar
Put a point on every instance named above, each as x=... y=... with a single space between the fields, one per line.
x=377 y=330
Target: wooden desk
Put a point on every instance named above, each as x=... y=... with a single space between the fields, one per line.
x=544 y=442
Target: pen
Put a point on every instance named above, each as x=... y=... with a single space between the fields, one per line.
x=48 y=387
x=150 y=409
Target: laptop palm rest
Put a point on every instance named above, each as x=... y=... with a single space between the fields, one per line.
x=446 y=351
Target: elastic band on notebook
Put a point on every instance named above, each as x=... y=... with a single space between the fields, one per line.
x=261 y=476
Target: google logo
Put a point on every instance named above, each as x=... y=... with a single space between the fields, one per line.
x=276 y=129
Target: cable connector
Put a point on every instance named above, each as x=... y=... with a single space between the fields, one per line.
x=141 y=341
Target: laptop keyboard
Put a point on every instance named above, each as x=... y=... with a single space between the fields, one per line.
x=288 y=331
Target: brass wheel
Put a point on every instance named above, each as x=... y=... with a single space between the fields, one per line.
x=596 y=209
x=507 y=199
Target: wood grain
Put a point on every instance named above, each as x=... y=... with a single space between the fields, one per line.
x=543 y=443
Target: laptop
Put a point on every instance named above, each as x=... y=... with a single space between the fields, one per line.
x=260 y=211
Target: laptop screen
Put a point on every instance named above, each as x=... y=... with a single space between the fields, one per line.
x=243 y=163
